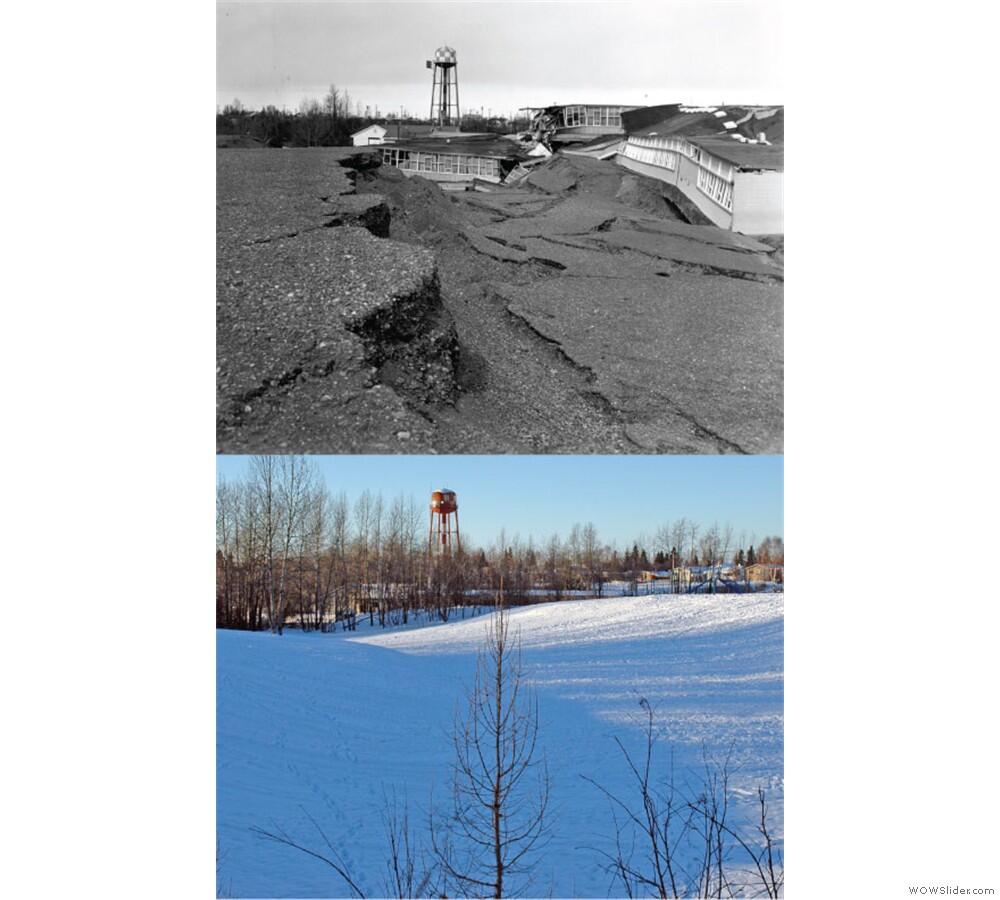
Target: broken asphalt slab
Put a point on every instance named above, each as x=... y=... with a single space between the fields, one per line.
x=323 y=330
x=588 y=323
x=693 y=363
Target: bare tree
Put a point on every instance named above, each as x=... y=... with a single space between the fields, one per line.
x=264 y=486
x=592 y=558
x=500 y=791
x=684 y=834
x=656 y=820
x=408 y=874
x=329 y=855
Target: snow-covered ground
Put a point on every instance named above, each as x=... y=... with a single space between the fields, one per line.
x=324 y=724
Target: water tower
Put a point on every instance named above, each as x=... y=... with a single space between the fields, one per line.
x=444 y=522
x=444 y=91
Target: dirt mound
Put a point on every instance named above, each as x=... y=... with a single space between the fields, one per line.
x=644 y=194
x=418 y=207
x=555 y=176
x=604 y=180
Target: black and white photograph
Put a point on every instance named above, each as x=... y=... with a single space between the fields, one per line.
x=499 y=228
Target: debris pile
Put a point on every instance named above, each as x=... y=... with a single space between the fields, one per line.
x=327 y=333
x=583 y=309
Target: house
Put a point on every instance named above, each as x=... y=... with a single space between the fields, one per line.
x=735 y=180
x=765 y=572
x=663 y=575
x=370 y=134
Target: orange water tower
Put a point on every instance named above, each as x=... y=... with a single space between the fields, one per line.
x=444 y=522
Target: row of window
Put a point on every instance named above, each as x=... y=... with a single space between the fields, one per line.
x=653 y=156
x=715 y=177
x=447 y=163
x=664 y=143
x=718 y=189
x=716 y=166
x=608 y=116
x=677 y=145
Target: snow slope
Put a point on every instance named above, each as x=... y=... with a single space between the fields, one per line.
x=323 y=724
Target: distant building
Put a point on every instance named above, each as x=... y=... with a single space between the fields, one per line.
x=646 y=576
x=763 y=572
x=370 y=134
x=735 y=180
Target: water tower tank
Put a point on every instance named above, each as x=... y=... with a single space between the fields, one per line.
x=445 y=56
x=444 y=501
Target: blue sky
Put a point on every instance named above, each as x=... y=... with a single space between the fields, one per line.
x=624 y=496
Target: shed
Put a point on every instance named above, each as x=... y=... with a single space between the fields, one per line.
x=370 y=134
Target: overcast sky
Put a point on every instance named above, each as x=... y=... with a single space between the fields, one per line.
x=509 y=54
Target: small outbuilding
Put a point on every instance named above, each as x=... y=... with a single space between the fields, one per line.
x=369 y=135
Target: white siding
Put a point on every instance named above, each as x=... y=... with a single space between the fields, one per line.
x=759 y=203
x=749 y=202
x=373 y=134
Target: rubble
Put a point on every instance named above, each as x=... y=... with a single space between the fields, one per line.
x=579 y=311
x=312 y=318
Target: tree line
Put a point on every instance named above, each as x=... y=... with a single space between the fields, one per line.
x=291 y=552
x=316 y=123
x=330 y=122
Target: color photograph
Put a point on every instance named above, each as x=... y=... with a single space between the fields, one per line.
x=500 y=676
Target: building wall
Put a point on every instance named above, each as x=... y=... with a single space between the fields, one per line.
x=760 y=572
x=687 y=181
x=585 y=132
x=686 y=178
x=756 y=198
x=759 y=203
x=371 y=135
x=449 y=176
x=442 y=167
x=657 y=172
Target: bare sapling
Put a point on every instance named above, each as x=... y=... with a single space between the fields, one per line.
x=675 y=840
x=487 y=843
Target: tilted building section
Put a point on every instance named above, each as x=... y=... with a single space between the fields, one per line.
x=728 y=161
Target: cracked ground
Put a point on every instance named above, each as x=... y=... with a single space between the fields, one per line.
x=575 y=313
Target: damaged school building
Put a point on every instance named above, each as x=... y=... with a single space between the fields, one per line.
x=727 y=161
x=454 y=159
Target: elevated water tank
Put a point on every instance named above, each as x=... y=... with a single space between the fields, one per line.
x=444 y=501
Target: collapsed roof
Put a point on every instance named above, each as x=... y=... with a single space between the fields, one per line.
x=678 y=120
x=745 y=156
x=488 y=145
x=728 y=132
